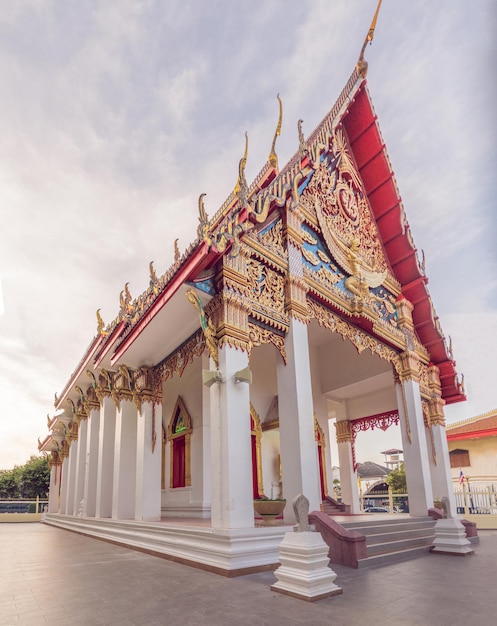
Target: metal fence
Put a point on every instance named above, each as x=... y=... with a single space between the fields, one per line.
x=23 y=506
x=388 y=500
x=476 y=500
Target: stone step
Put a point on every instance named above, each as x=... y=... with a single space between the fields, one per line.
x=392 y=546
x=390 y=540
x=397 y=535
x=393 y=557
x=371 y=527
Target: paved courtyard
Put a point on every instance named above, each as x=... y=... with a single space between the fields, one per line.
x=49 y=575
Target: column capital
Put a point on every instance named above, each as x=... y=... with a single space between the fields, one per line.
x=344 y=431
x=409 y=366
x=404 y=313
x=436 y=411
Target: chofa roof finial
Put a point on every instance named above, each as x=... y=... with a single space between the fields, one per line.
x=273 y=157
x=362 y=64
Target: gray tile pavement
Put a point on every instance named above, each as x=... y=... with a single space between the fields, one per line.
x=53 y=576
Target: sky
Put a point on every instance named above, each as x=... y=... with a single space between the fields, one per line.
x=116 y=116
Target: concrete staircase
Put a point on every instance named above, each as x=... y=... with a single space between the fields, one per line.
x=392 y=540
x=331 y=507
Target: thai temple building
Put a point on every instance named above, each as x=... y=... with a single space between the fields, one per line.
x=301 y=300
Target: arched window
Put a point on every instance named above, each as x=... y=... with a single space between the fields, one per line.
x=178 y=434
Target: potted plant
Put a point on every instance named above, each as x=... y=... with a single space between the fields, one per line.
x=269 y=509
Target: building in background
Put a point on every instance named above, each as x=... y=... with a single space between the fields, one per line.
x=473 y=450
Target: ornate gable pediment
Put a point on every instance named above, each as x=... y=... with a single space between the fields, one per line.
x=342 y=248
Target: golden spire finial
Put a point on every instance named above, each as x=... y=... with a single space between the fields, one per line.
x=362 y=65
x=100 y=325
x=273 y=158
x=176 y=251
x=241 y=182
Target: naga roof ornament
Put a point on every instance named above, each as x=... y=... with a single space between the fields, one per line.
x=273 y=157
x=241 y=187
x=362 y=64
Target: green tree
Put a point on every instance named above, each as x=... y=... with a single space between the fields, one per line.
x=9 y=483
x=397 y=479
x=35 y=478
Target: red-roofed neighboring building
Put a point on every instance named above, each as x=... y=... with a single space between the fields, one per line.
x=473 y=449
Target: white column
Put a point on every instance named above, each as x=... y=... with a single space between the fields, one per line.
x=79 y=484
x=123 y=494
x=105 y=471
x=232 y=503
x=441 y=476
x=348 y=475
x=201 y=453
x=299 y=463
x=90 y=491
x=64 y=478
x=148 y=462
x=414 y=446
x=71 y=477
x=54 y=489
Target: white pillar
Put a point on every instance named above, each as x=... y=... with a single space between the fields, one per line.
x=105 y=471
x=414 y=446
x=148 y=462
x=201 y=453
x=441 y=476
x=79 y=484
x=299 y=463
x=123 y=495
x=348 y=475
x=90 y=491
x=54 y=489
x=71 y=478
x=64 y=478
x=232 y=503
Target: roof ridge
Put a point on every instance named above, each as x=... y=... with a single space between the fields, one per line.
x=471 y=420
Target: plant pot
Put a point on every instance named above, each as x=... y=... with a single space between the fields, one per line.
x=269 y=510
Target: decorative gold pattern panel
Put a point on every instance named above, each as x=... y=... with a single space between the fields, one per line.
x=359 y=338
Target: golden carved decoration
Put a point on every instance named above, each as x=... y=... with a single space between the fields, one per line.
x=343 y=431
x=359 y=338
x=153 y=282
x=126 y=308
x=404 y=313
x=428 y=425
x=273 y=237
x=362 y=65
x=207 y=326
x=177 y=254
x=399 y=381
x=410 y=365
x=436 y=408
x=296 y=298
x=257 y=433
x=177 y=362
x=273 y=159
x=302 y=144
x=259 y=336
x=241 y=187
x=101 y=325
x=321 y=443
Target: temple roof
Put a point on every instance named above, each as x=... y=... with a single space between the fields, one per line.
x=474 y=428
x=371 y=470
x=354 y=112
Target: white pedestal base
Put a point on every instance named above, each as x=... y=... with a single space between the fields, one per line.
x=304 y=571
x=450 y=538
